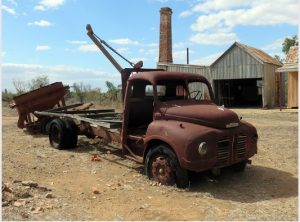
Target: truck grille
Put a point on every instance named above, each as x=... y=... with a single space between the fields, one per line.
x=240 y=149
x=223 y=151
x=230 y=148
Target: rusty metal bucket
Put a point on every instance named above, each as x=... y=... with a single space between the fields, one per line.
x=40 y=99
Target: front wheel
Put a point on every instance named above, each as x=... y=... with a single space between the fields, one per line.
x=162 y=166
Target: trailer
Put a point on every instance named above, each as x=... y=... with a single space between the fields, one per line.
x=170 y=122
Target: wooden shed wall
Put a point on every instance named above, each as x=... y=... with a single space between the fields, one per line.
x=292 y=89
x=269 y=85
x=236 y=64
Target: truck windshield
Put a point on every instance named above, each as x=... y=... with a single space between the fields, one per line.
x=168 y=90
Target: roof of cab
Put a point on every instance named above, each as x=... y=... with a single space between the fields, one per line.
x=154 y=76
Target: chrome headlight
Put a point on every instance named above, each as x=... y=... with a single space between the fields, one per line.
x=202 y=149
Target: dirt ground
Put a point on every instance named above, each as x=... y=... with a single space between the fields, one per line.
x=49 y=184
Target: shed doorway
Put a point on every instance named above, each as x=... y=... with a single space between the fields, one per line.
x=238 y=92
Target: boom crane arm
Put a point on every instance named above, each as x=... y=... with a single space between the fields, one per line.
x=125 y=72
x=99 y=43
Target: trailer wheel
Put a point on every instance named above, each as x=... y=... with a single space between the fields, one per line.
x=72 y=133
x=162 y=166
x=58 y=134
x=45 y=125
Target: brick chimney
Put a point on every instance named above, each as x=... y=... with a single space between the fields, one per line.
x=165 y=36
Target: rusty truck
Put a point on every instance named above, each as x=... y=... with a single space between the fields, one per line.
x=169 y=122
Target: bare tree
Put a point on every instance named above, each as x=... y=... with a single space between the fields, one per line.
x=20 y=86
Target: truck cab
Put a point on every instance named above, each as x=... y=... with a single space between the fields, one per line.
x=171 y=122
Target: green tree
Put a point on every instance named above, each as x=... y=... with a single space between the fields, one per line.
x=7 y=96
x=112 y=91
x=288 y=42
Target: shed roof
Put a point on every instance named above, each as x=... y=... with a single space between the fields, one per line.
x=292 y=56
x=258 y=54
x=291 y=61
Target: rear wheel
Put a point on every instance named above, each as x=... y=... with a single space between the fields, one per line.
x=57 y=134
x=63 y=134
x=72 y=133
x=163 y=167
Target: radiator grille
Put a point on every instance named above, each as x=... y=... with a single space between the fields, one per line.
x=223 y=151
x=231 y=148
x=240 y=149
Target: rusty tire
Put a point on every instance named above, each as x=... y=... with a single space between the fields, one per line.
x=45 y=125
x=163 y=167
x=58 y=134
x=71 y=133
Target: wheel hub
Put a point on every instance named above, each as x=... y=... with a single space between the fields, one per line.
x=162 y=171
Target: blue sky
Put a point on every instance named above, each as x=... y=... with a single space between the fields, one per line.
x=48 y=37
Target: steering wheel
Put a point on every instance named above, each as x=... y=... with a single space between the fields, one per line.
x=197 y=96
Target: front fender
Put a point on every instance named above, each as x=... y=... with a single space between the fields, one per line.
x=178 y=135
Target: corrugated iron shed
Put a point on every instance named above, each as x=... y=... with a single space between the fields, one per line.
x=242 y=75
x=258 y=54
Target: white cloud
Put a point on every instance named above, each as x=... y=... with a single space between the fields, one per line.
x=42 y=48
x=39 y=8
x=41 y=23
x=123 y=50
x=8 y=9
x=124 y=41
x=216 y=5
x=180 y=56
x=218 y=18
x=48 y=4
x=275 y=45
x=67 y=74
x=185 y=14
x=88 y=48
x=178 y=45
x=214 y=38
x=77 y=42
x=3 y=54
x=228 y=14
x=206 y=60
